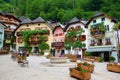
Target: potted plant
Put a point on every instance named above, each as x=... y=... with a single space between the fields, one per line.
x=80 y=73
x=112 y=59
x=101 y=59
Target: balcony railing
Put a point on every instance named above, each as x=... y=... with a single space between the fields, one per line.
x=92 y=44
x=35 y=42
x=108 y=43
x=58 y=44
x=99 y=43
x=9 y=30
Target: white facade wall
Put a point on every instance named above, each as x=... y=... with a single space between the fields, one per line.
x=108 y=34
x=73 y=51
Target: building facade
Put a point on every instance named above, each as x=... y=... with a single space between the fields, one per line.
x=34 y=39
x=77 y=24
x=58 y=41
x=12 y=23
x=101 y=37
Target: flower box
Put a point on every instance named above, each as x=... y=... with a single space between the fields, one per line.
x=113 y=67
x=73 y=57
x=86 y=66
x=79 y=75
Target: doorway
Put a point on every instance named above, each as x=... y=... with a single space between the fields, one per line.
x=106 y=56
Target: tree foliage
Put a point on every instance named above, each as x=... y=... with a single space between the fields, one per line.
x=62 y=10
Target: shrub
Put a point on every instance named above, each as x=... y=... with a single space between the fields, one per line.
x=112 y=58
x=101 y=59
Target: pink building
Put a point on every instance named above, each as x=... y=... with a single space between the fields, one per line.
x=58 y=41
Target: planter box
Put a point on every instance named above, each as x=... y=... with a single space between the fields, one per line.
x=73 y=58
x=114 y=68
x=88 y=67
x=80 y=75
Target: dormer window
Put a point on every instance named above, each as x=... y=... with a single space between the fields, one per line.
x=27 y=25
x=94 y=21
x=38 y=24
x=103 y=19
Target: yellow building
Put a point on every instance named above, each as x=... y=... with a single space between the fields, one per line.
x=34 y=40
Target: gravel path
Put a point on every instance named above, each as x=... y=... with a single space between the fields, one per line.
x=40 y=69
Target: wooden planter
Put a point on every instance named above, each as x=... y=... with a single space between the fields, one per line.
x=80 y=75
x=113 y=67
x=73 y=58
x=88 y=67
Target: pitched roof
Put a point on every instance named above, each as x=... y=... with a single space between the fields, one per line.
x=57 y=26
x=2 y=13
x=72 y=21
x=21 y=18
x=75 y=19
x=26 y=21
x=97 y=14
x=38 y=19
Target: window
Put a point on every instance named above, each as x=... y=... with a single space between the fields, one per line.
x=103 y=19
x=94 y=21
x=9 y=27
x=1 y=19
x=92 y=41
x=20 y=40
x=60 y=34
x=27 y=25
x=60 y=40
x=38 y=24
x=107 y=39
x=107 y=28
x=36 y=38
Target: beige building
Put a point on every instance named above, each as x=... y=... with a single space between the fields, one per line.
x=34 y=39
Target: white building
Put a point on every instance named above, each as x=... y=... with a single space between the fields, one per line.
x=101 y=36
x=74 y=24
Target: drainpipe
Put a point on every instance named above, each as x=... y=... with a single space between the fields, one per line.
x=118 y=45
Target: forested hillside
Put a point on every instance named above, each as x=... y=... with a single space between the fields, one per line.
x=62 y=10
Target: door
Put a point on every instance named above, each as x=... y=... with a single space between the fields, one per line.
x=106 y=56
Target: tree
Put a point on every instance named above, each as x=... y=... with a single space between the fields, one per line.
x=43 y=45
x=69 y=44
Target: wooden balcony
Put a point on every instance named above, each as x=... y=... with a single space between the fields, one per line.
x=10 y=22
x=99 y=43
x=58 y=44
x=98 y=36
x=35 y=42
x=108 y=43
x=92 y=44
x=9 y=30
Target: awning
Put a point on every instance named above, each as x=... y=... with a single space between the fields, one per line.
x=100 y=49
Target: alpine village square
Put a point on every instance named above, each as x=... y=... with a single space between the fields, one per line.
x=41 y=48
